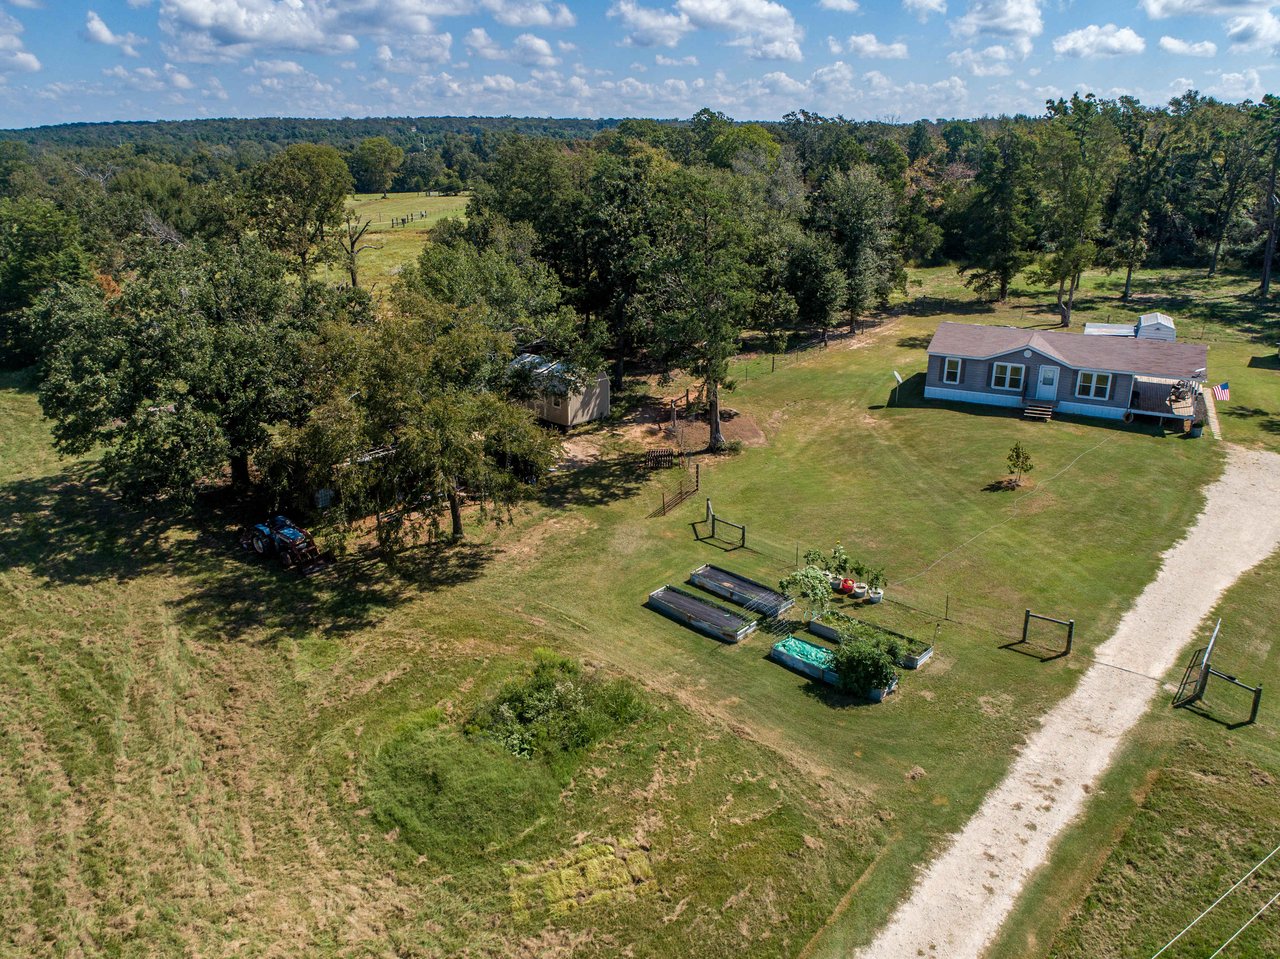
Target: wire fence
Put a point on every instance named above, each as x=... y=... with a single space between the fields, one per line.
x=748 y=366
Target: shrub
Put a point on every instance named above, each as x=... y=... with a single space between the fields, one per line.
x=863 y=665
x=895 y=647
x=451 y=795
x=811 y=588
x=839 y=562
x=555 y=712
x=875 y=578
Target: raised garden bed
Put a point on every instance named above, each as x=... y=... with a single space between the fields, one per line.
x=701 y=614
x=828 y=627
x=756 y=597
x=810 y=659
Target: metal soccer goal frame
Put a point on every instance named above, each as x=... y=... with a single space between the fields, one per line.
x=1195 y=681
x=1070 y=624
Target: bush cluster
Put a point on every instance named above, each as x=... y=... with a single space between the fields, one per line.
x=866 y=657
x=555 y=712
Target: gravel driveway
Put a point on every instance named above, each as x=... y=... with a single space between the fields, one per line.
x=961 y=899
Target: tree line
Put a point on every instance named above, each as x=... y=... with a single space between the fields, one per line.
x=180 y=315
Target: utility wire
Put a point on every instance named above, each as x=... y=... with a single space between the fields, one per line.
x=1246 y=925
x=1008 y=519
x=1218 y=900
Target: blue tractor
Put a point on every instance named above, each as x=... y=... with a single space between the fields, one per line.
x=292 y=545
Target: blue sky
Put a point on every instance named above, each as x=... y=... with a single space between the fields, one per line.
x=65 y=60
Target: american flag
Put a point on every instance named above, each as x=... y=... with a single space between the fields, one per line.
x=1222 y=392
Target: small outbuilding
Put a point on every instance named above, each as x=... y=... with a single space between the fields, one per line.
x=563 y=398
x=1150 y=326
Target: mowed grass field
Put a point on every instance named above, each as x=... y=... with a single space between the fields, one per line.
x=392 y=245
x=197 y=745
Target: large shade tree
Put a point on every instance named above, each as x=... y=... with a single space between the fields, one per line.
x=857 y=210
x=182 y=375
x=416 y=422
x=698 y=282
x=999 y=232
x=297 y=202
x=39 y=247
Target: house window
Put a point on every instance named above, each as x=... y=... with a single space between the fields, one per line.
x=555 y=401
x=1007 y=376
x=1093 y=386
x=951 y=369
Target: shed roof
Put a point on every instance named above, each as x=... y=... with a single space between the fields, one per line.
x=1155 y=319
x=1114 y=354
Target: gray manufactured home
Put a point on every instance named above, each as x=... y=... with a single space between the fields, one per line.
x=1111 y=377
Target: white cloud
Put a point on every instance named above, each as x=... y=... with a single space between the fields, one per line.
x=148 y=80
x=214 y=29
x=96 y=29
x=1186 y=48
x=834 y=46
x=1160 y=9
x=664 y=61
x=1245 y=85
x=528 y=49
x=1017 y=20
x=844 y=6
x=13 y=52
x=765 y=29
x=647 y=27
x=781 y=84
x=1254 y=31
x=921 y=9
x=993 y=61
x=529 y=13
x=866 y=45
x=533 y=51
x=482 y=45
x=1096 y=41
x=276 y=68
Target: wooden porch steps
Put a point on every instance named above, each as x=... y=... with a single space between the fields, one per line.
x=1038 y=411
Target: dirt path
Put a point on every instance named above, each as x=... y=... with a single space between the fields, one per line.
x=960 y=901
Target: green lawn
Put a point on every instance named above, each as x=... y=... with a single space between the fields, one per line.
x=194 y=741
x=396 y=245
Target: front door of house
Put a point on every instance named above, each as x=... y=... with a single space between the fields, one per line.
x=1047 y=387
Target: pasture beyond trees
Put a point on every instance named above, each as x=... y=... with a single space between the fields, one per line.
x=192 y=735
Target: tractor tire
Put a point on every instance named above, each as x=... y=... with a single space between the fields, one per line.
x=261 y=545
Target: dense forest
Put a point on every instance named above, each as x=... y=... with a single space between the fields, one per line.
x=173 y=285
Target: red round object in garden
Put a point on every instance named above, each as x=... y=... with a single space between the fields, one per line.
x=846 y=586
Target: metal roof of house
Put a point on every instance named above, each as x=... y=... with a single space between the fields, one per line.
x=1114 y=354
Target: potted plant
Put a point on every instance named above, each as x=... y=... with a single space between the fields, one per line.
x=810 y=587
x=859 y=579
x=876 y=583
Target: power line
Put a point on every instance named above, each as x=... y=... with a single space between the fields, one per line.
x=1246 y=925
x=1218 y=900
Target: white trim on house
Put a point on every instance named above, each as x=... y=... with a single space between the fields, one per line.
x=946 y=362
x=972 y=396
x=1098 y=412
x=1008 y=375
x=1093 y=384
